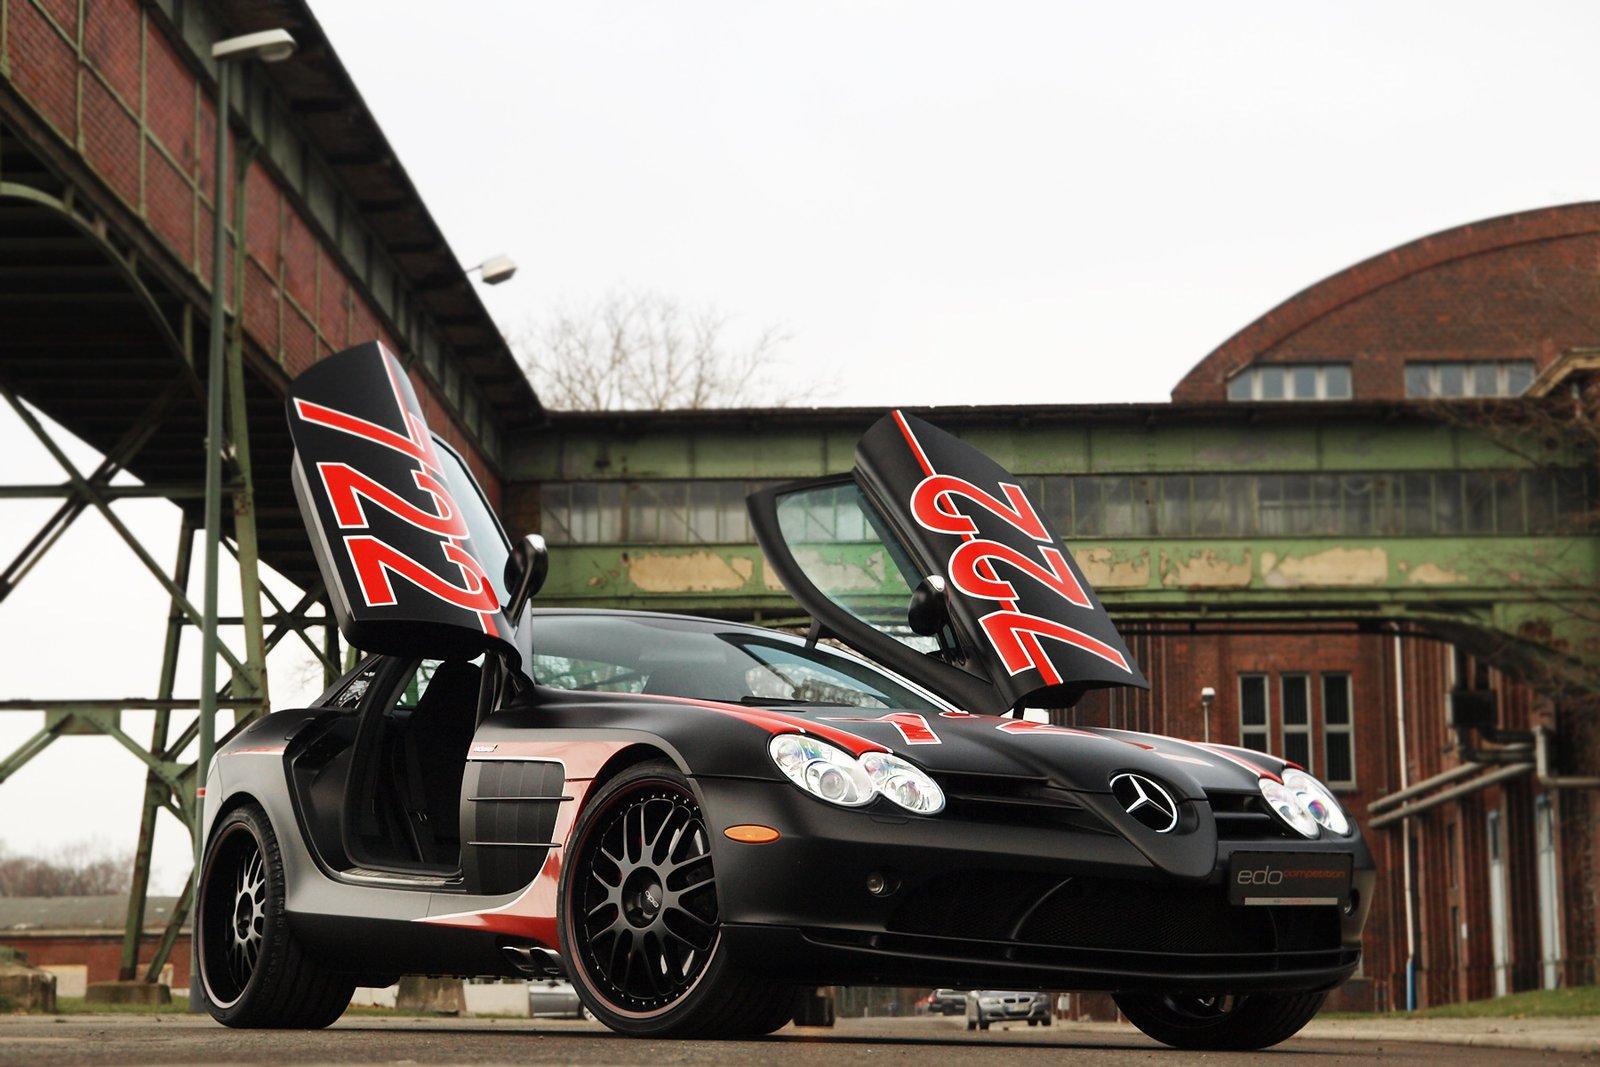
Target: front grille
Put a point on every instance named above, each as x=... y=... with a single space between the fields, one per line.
x=1016 y=800
x=1181 y=920
x=978 y=904
x=1245 y=817
x=1027 y=909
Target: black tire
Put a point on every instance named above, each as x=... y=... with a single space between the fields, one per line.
x=253 y=973
x=649 y=894
x=971 y=1025
x=1046 y=1021
x=983 y=1024
x=1244 y=1023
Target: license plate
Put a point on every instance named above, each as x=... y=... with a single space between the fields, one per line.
x=1289 y=878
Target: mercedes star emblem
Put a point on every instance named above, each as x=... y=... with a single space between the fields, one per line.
x=1147 y=801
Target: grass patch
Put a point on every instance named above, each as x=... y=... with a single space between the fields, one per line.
x=80 y=1006
x=1576 y=1002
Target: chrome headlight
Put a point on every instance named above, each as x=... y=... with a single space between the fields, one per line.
x=822 y=770
x=834 y=775
x=1286 y=804
x=903 y=783
x=1319 y=800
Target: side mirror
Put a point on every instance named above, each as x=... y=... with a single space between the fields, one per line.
x=526 y=570
x=928 y=613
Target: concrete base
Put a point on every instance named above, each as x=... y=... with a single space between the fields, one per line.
x=24 y=988
x=127 y=993
x=430 y=996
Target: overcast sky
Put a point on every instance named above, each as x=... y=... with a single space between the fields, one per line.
x=1075 y=201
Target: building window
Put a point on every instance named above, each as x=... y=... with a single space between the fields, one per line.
x=1485 y=503
x=1291 y=381
x=1296 y=708
x=1477 y=378
x=1253 y=728
x=1338 y=732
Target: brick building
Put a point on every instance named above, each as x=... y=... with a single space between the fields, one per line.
x=1304 y=467
x=79 y=939
x=1502 y=880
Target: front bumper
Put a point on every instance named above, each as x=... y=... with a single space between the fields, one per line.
x=1002 y=905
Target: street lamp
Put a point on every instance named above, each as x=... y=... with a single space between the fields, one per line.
x=495 y=269
x=269 y=46
x=1207 y=695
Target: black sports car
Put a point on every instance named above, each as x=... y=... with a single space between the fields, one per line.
x=692 y=819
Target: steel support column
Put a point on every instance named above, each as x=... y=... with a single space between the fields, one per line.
x=156 y=791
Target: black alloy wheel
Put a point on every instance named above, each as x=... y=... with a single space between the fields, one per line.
x=233 y=915
x=252 y=970
x=649 y=899
x=640 y=926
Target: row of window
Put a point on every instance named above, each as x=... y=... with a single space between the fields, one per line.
x=1414 y=503
x=1292 y=381
x=1424 y=380
x=1296 y=737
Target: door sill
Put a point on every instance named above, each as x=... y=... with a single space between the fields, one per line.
x=402 y=879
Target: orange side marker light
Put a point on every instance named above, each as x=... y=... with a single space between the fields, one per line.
x=751 y=834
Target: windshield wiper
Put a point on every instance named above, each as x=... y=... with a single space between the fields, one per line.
x=779 y=702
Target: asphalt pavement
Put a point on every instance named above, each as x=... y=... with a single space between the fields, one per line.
x=171 y=1040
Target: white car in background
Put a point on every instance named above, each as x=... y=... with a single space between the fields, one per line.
x=985 y=1006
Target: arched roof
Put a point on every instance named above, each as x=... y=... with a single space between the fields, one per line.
x=1328 y=296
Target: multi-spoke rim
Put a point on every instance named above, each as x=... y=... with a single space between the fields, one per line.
x=233 y=919
x=645 y=917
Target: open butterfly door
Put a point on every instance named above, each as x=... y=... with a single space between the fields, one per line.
x=930 y=558
x=413 y=558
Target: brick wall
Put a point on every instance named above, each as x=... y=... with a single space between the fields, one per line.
x=1451 y=867
x=119 y=91
x=100 y=953
x=1499 y=289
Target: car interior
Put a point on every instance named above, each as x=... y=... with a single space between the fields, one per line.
x=403 y=792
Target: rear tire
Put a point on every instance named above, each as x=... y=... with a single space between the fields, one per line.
x=253 y=973
x=639 y=924
x=1240 y=1024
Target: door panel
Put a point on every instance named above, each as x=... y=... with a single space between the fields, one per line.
x=1026 y=626
x=411 y=553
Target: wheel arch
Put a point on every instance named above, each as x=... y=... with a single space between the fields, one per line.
x=635 y=754
x=233 y=802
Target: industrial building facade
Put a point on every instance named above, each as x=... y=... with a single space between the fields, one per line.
x=1297 y=530
x=1303 y=456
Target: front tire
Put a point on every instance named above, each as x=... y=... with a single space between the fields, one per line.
x=253 y=973
x=1243 y=1023
x=639 y=924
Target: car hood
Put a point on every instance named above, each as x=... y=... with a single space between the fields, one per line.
x=1083 y=760
x=986 y=754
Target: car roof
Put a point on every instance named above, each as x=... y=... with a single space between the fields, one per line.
x=623 y=613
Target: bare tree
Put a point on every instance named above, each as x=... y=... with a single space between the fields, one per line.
x=1560 y=435
x=644 y=351
x=79 y=870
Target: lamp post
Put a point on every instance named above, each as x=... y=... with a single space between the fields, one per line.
x=1207 y=695
x=269 y=46
x=495 y=269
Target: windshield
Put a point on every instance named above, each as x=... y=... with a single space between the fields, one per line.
x=702 y=660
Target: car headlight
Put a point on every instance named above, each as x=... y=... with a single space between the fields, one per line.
x=835 y=776
x=1285 y=802
x=903 y=783
x=822 y=770
x=1319 y=800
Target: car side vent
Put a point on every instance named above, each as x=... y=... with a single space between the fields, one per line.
x=508 y=821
